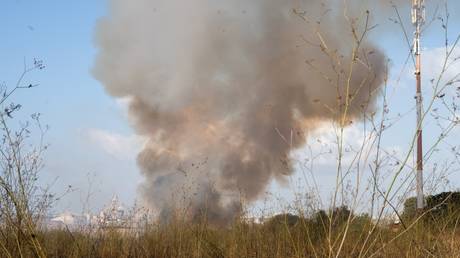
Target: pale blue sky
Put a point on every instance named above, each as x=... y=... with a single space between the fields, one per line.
x=71 y=100
x=74 y=104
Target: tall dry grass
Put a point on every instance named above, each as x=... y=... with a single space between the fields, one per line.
x=284 y=235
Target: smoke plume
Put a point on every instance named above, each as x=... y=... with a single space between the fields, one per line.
x=225 y=90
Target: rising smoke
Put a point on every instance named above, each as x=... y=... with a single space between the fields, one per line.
x=225 y=90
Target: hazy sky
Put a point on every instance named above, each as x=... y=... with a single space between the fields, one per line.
x=90 y=137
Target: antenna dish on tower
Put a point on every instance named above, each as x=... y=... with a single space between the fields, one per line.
x=418 y=12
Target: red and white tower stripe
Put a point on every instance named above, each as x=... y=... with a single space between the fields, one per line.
x=418 y=19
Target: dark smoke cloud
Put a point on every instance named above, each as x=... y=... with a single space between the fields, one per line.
x=223 y=92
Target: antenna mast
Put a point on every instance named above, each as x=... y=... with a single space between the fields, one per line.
x=418 y=19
